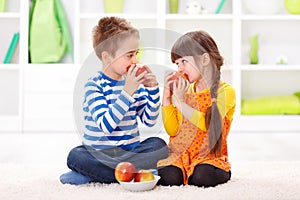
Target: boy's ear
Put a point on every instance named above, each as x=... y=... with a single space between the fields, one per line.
x=205 y=59
x=106 y=57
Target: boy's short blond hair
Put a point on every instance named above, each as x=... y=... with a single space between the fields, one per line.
x=109 y=33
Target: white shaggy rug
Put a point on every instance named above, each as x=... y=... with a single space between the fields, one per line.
x=250 y=180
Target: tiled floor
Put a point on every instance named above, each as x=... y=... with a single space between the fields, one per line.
x=54 y=147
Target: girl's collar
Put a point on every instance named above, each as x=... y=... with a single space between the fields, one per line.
x=192 y=89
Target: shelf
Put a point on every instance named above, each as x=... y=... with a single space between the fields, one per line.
x=8 y=15
x=272 y=43
x=97 y=16
x=266 y=123
x=51 y=64
x=9 y=66
x=199 y=17
x=10 y=92
x=265 y=81
x=279 y=17
x=10 y=123
x=32 y=85
x=270 y=67
x=227 y=67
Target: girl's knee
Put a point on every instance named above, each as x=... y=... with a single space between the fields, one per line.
x=208 y=176
x=204 y=181
x=170 y=175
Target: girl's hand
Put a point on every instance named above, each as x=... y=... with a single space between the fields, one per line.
x=179 y=90
x=132 y=82
x=150 y=78
x=167 y=83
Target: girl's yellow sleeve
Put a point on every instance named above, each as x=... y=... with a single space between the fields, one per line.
x=226 y=101
x=172 y=119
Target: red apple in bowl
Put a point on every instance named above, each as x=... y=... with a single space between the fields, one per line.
x=143 y=175
x=139 y=71
x=125 y=172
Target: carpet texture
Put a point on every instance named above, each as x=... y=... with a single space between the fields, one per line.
x=250 y=180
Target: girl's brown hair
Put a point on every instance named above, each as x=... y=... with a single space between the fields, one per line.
x=195 y=44
x=109 y=33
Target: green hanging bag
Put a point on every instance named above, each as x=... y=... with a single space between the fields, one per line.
x=49 y=35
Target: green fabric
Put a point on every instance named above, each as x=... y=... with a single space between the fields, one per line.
x=49 y=36
x=297 y=94
x=63 y=23
x=289 y=104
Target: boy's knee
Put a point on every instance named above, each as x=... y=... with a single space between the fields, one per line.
x=76 y=152
x=157 y=145
x=161 y=145
x=157 y=142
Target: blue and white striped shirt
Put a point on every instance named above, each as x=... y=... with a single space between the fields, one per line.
x=111 y=113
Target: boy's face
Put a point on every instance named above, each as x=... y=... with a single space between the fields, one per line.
x=124 y=56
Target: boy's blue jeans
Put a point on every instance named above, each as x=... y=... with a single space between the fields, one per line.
x=100 y=165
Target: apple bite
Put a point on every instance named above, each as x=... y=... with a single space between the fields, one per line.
x=175 y=79
x=139 y=71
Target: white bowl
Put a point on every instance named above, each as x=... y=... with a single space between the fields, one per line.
x=263 y=6
x=140 y=186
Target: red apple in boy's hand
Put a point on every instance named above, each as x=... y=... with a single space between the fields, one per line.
x=143 y=175
x=125 y=171
x=139 y=71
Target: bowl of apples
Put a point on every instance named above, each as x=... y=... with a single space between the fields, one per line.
x=132 y=180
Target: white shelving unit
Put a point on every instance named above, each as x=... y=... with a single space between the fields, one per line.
x=278 y=34
x=40 y=96
x=10 y=75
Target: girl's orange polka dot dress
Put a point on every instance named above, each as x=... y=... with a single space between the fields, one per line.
x=190 y=146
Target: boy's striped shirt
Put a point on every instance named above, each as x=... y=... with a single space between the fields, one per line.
x=111 y=113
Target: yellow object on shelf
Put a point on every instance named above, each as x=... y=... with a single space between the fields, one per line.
x=292 y=6
x=2 y=5
x=113 y=6
x=173 y=4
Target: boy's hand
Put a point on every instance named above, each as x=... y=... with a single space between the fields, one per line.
x=132 y=82
x=150 y=78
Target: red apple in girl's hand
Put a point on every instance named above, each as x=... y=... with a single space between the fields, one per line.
x=139 y=71
x=125 y=172
x=175 y=78
x=143 y=175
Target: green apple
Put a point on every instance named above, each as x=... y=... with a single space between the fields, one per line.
x=292 y=6
x=143 y=175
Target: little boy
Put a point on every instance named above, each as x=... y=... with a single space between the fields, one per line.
x=112 y=104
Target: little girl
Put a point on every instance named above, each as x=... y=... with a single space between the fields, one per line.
x=197 y=115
